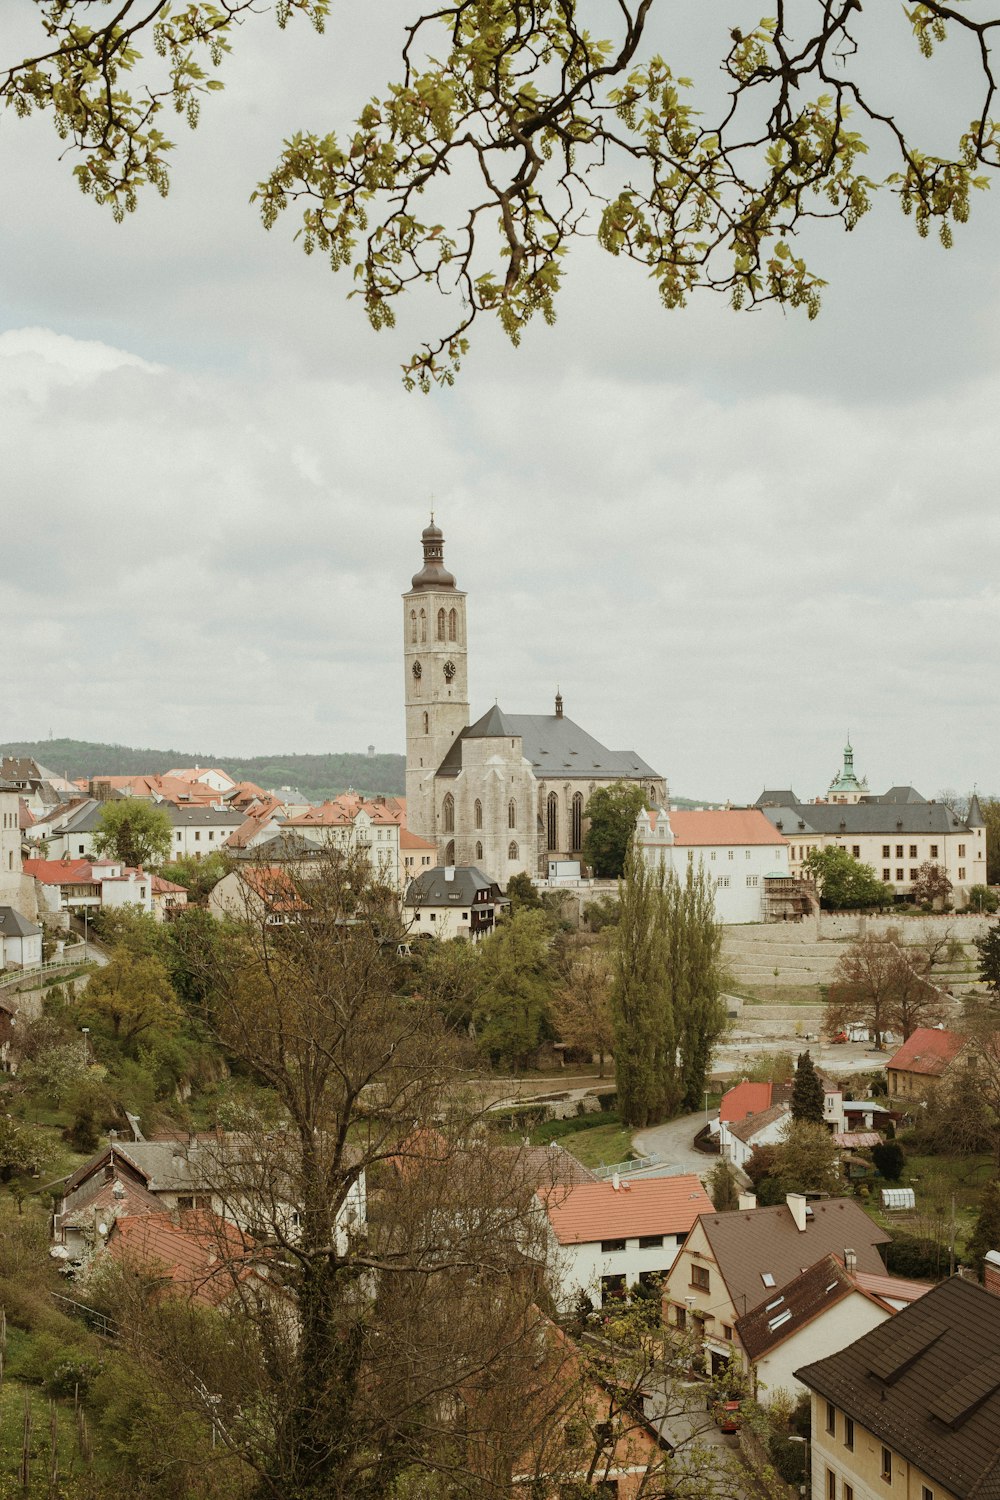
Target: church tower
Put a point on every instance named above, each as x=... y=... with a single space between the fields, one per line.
x=435 y=657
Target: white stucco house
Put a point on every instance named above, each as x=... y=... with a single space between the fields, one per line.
x=79 y=885
x=768 y=1128
x=20 y=940
x=608 y=1236
x=737 y=848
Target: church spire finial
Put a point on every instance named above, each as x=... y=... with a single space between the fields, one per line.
x=559 y=703
x=433 y=574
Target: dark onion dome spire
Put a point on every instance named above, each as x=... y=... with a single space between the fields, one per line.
x=433 y=574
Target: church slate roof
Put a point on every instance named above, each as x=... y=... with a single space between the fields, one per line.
x=553 y=744
x=864 y=817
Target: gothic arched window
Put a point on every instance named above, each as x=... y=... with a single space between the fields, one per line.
x=511 y=814
x=479 y=813
x=413 y=627
x=448 y=813
x=452 y=625
x=449 y=852
x=512 y=851
x=479 y=851
x=576 y=822
x=423 y=625
x=427 y=724
x=440 y=624
x=552 y=821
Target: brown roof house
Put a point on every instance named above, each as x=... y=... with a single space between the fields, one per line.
x=924 y=1057
x=819 y=1311
x=913 y=1407
x=731 y=1263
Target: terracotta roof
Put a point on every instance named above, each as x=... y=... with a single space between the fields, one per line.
x=897 y=1288
x=927 y=1384
x=161 y=886
x=928 y=1051
x=856 y=1140
x=203 y=1255
x=745 y=1130
x=745 y=1099
x=77 y=871
x=593 y=1211
x=728 y=826
x=749 y=1244
x=408 y=840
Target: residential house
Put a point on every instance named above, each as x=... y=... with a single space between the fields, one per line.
x=816 y=1313
x=768 y=1128
x=452 y=901
x=39 y=788
x=195 y=831
x=168 y=898
x=195 y=1255
x=737 y=848
x=911 y=1409
x=417 y=854
x=746 y=1099
x=16 y=889
x=255 y=892
x=20 y=940
x=894 y=833
x=612 y=1235
x=922 y=1061
x=351 y=822
x=732 y=1262
x=83 y=885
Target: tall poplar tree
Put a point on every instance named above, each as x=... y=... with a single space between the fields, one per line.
x=666 y=1010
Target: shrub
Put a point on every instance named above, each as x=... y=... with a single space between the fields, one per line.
x=911 y=1255
x=890 y=1160
x=72 y=1376
x=788 y=1458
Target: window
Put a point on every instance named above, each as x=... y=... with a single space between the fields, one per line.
x=913 y=874
x=934 y=853
x=751 y=880
x=886 y=850
x=440 y=624
x=722 y=880
x=448 y=813
x=925 y=1493
x=197 y=835
x=730 y=854
x=887 y=1465
x=576 y=822
x=913 y=851
x=552 y=822
x=900 y=875
x=650 y=1241
x=831 y=1418
x=746 y=854
x=608 y=1245
x=452 y=625
x=961 y=872
x=886 y=874
x=449 y=852
x=856 y=850
x=512 y=851
x=612 y=1288
x=427 y=723
x=680 y=1317
x=512 y=814
x=423 y=625
x=479 y=850
x=899 y=851
x=700 y=1277
x=848 y=1492
x=479 y=813
x=961 y=851
x=849 y=1432
x=727 y=1331
x=413 y=627
x=712 y=855
x=831 y=1485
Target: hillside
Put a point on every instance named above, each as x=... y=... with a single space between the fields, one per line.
x=317 y=775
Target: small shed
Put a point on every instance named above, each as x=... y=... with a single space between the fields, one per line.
x=894 y=1199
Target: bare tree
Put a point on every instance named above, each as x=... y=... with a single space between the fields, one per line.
x=583 y=1003
x=885 y=985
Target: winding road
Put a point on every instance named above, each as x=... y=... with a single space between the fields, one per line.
x=672 y=1142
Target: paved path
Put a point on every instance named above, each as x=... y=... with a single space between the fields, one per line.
x=673 y=1140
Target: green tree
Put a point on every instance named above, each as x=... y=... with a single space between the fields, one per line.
x=133 y=995
x=541 y=118
x=448 y=976
x=932 y=883
x=807 y=1092
x=991 y=816
x=806 y=1160
x=986 y=1235
x=769 y=1067
x=521 y=892
x=583 y=1003
x=512 y=1005
x=983 y=899
x=666 y=971
x=889 y=1159
x=198 y=876
x=134 y=831
x=722 y=1186
x=611 y=811
x=843 y=881
x=989 y=960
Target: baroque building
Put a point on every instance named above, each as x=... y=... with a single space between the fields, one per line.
x=507 y=792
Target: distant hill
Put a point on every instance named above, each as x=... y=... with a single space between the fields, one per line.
x=316 y=775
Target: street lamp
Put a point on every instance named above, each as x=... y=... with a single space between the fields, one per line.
x=805 y=1488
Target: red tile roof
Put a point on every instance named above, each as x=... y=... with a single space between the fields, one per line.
x=203 y=1255
x=592 y=1211
x=729 y=826
x=408 y=840
x=927 y=1051
x=891 y=1288
x=745 y=1099
x=161 y=886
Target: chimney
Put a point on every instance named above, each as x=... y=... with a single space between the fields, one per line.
x=747 y=1200
x=850 y=1261
x=449 y=872
x=797 y=1208
x=616 y=1181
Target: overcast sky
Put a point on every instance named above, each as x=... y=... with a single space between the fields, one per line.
x=729 y=539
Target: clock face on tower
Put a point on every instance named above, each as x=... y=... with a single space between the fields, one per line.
x=449 y=670
x=417 y=669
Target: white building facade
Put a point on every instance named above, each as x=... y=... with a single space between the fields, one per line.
x=736 y=847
